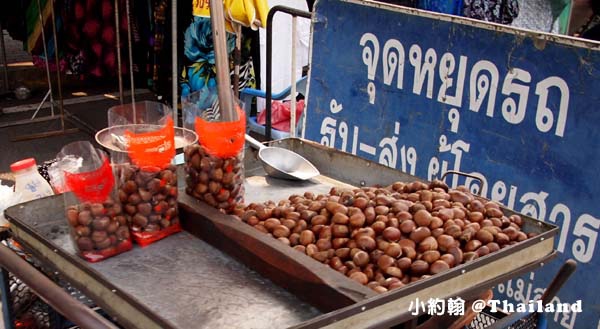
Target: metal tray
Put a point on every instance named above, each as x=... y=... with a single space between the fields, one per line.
x=183 y=282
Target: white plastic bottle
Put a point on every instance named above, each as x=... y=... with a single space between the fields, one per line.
x=28 y=181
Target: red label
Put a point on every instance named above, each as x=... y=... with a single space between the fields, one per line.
x=222 y=139
x=92 y=186
x=155 y=148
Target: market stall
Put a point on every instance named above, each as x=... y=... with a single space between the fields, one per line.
x=223 y=273
x=374 y=233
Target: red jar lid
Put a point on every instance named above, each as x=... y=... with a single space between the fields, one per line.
x=23 y=164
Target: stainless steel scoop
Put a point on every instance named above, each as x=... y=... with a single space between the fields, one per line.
x=281 y=163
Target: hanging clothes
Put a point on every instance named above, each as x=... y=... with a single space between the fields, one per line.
x=91 y=37
x=34 y=27
x=34 y=41
x=157 y=53
x=199 y=69
x=497 y=11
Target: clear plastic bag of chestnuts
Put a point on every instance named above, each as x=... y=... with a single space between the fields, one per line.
x=146 y=177
x=215 y=166
x=97 y=224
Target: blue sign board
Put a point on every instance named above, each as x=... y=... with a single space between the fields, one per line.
x=425 y=93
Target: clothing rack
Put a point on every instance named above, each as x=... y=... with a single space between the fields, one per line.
x=61 y=116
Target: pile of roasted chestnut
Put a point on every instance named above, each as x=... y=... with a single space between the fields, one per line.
x=388 y=237
x=98 y=226
x=218 y=182
x=149 y=197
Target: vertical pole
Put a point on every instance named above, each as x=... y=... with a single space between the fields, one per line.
x=58 y=75
x=48 y=76
x=6 y=300
x=130 y=49
x=118 y=41
x=237 y=59
x=269 y=89
x=175 y=68
x=293 y=91
x=5 y=71
x=217 y=20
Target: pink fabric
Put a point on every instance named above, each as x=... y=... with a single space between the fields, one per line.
x=280 y=115
x=40 y=62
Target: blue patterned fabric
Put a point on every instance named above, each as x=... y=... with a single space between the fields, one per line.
x=200 y=72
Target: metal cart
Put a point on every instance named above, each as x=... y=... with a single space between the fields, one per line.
x=185 y=281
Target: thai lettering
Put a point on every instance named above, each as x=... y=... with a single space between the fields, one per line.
x=334 y=107
x=393 y=61
x=565 y=226
x=524 y=292
x=454 y=118
x=370 y=57
x=483 y=83
x=544 y=118
x=537 y=210
x=457 y=148
x=477 y=186
x=447 y=66
x=513 y=111
x=499 y=193
x=409 y=159
x=343 y=130
x=424 y=69
x=328 y=131
x=329 y=124
x=355 y=140
x=586 y=229
x=389 y=150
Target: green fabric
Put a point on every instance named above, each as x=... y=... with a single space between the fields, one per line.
x=32 y=23
x=564 y=18
x=561 y=11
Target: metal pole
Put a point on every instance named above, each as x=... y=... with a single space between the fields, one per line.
x=269 y=89
x=217 y=20
x=48 y=94
x=58 y=75
x=130 y=49
x=7 y=303
x=51 y=293
x=237 y=59
x=272 y=12
x=4 y=58
x=62 y=130
x=48 y=76
x=175 y=68
x=118 y=34
x=293 y=91
x=6 y=300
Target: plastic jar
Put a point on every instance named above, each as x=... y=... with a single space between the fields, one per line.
x=215 y=166
x=29 y=184
x=146 y=177
x=98 y=226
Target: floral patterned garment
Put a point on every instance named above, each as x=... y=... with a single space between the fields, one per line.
x=199 y=70
x=497 y=11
